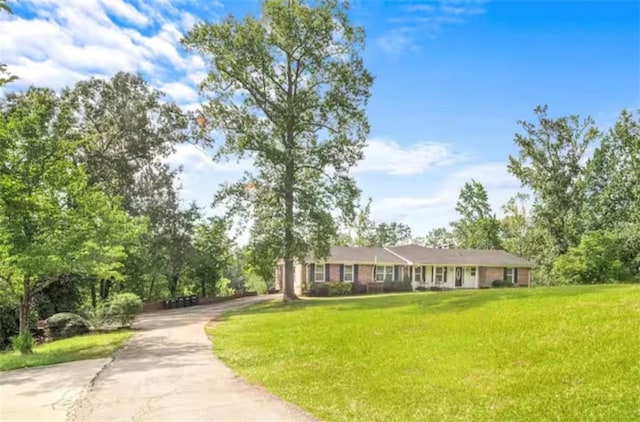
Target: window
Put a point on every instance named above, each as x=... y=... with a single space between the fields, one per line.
x=508 y=275
x=418 y=274
x=319 y=273
x=473 y=271
x=348 y=273
x=384 y=273
x=439 y=275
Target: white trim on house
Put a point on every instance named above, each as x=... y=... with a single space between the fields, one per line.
x=315 y=273
x=384 y=273
x=399 y=256
x=344 y=273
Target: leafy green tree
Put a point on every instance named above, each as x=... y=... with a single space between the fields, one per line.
x=213 y=253
x=550 y=163
x=261 y=255
x=613 y=177
x=133 y=129
x=440 y=237
x=515 y=225
x=391 y=234
x=51 y=220
x=289 y=89
x=597 y=259
x=478 y=227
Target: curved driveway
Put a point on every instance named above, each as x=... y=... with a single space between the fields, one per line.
x=167 y=372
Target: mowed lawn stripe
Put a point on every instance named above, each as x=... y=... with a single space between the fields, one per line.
x=564 y=353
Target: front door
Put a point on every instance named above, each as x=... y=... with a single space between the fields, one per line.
x=459 y=276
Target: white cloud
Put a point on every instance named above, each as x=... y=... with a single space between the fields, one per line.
x=437 y=208
x=181 y=93
x=77 y=38
x=195 y=159
x=421 y=19
x=386 y=156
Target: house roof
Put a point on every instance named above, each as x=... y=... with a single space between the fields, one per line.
x=342 y=254
x=481 y=257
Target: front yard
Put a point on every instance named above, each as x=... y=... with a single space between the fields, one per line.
x=565 y=353
x=90 y=346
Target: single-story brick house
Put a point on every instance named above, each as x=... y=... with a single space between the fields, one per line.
x=427 y=267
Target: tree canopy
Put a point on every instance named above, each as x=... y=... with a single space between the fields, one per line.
x=288 y=89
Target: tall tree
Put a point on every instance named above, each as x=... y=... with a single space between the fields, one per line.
x=440 y=237
x=613 y=177
x=478 y=227
x=289 y=89
x=213 y=249
x=51 y=220
x=550 y=163
x=133 y=129
x=391 y=234
x=5 y=76
x=515 y=225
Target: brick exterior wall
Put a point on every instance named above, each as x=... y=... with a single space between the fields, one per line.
x=523 y=277
x=488 y=274
x=334 y=272
x=365 y=274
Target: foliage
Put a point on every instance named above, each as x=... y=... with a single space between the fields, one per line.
x=613 y=177
x=23 y=343
x=124 y=307
x=223 y=288
x=362 y=231
x=398 y=286
x=51 y=220
x=61 y=295
x=478 y=227
x=538 y=340
x=213 y=253
x=421 y=289
x=8 y=323
x=440 y=237
x=289 y=89
x=550 y=163
x=90 y=346
x=64 y=325
x=329 y=288
x=597 y=259
x=501 y=283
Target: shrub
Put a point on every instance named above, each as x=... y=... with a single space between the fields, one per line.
x=123 y=308
x=421 y=289
x=330 y=288
x=337 y=288
x=599 y=258
x=64 y=325
x=501 y=283
x=8 y=324
x=22 y=343
x=397 y=286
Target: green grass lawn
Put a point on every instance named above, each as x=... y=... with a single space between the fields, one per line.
x=90 y=346
x=564 y=354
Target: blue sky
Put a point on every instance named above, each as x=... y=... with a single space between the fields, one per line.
x=452 y=79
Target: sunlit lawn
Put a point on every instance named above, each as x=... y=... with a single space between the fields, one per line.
x=90 y=346
x=566 y=354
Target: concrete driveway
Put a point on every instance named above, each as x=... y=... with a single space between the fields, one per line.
x=45 y=394
x=167 y=372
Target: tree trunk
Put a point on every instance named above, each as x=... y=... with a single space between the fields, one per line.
x=203 y=287
x=94 y=301
x=289 y=292
x=24 y=309
x=173 y=284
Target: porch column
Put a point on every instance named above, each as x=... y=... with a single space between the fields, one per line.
x=477 y=277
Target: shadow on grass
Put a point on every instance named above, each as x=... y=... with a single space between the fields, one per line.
x=435 y=302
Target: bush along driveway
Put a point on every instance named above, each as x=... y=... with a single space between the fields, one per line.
x=167 y=372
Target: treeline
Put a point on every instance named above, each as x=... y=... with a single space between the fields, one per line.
x=90 y=207
x=580 y=218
